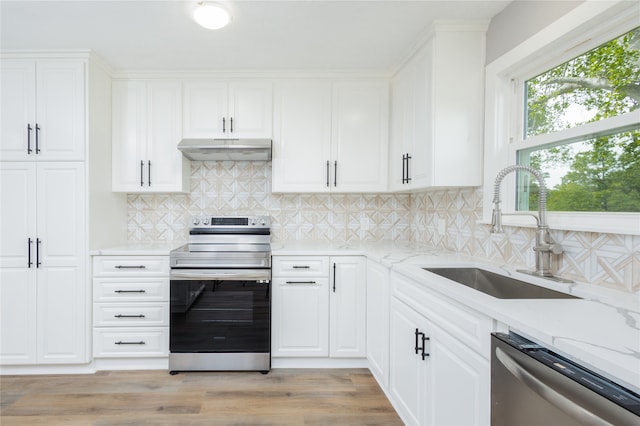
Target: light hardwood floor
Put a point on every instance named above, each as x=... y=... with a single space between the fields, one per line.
x=282 y=397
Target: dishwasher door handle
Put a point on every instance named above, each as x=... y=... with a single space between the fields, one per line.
x=545 y=391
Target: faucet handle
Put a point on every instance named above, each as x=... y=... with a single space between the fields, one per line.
x=555 y=248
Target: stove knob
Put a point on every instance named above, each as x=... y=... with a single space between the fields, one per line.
x=253 y=222
x=205 y=221
x=263 y=222
x=196 y=221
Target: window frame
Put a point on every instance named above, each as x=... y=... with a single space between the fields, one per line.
x=586 y=27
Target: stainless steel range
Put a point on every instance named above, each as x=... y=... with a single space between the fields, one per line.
x=221 y=296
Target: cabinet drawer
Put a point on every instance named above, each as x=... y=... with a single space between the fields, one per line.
x=130 y=314
x=130 y=342
x=463 y=323
x=121 y=266
x=130 y=289
x=300 y=266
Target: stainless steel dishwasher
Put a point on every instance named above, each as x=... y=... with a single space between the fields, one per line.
x=531 y=385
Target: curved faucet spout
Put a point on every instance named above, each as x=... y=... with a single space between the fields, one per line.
x=544 y=246
x=542 y=196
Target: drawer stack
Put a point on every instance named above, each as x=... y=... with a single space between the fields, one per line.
x=130 y=306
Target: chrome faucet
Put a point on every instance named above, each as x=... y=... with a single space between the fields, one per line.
x=545 y=246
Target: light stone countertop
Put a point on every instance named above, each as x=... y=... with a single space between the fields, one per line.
x=600 y=331
x=149 y=249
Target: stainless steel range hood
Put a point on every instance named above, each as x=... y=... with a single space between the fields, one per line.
x=226 y=149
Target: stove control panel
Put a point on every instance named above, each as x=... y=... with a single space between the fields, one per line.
x=230 y=221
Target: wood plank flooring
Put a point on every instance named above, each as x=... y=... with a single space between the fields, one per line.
x=282 y=397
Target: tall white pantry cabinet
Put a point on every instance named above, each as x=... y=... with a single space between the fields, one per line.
x=52 y=207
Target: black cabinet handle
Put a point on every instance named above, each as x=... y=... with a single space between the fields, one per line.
x=38 y=263
x=424 y=340
x=301 y=266
x=29 y=262
x=142 y=342
x=231 y=124
x=129 y=291
x=404 y=159
x=417 y=333
x=300 y=282
x=335 y=173
x=37 y=133
x=29 y=129
x=130 y=266
x=334 y=277
x=327 y=173
x=408 y=158
x=129 y=316
x=224 y=125
x=149 y=173
x=141 y=173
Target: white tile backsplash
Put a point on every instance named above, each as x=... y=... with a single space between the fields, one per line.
x=228 y=188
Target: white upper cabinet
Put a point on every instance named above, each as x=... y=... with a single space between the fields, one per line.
x=302 y=136
x=437 y=111
x=146 y=132
x=230 y=110
x=43 y=110
x=330 y=136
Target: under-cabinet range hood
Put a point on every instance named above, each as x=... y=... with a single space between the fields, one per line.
x=226 y=149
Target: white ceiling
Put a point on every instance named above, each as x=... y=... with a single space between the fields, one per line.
x=263 y=35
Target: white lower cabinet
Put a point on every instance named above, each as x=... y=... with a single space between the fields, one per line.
x=378 y=321
x=318 y=306
x=130 y=306
x=42 y=282
x=434 y=377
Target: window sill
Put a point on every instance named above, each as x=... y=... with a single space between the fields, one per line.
x=607 y=223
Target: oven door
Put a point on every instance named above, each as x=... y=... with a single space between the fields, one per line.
x=227 y=314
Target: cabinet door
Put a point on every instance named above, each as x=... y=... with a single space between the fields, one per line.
x=378 y=321
x=62 y=293
x=422 y=162
x=459 y=383
x=412 y=127
x=407 y=370
x=17 y=276
x=60 y=110
x=18 y=110
x=129 y=136
x=347 y=303
x=302 y=137
x=300 y=317
x=205 y=110
x=250 y=110
x=164 y=163
x=360 y=136
x=401 y=128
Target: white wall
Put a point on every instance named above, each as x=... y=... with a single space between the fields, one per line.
x=519 y=21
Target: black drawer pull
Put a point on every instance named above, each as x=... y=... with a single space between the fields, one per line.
x=300 y=282
x=142 y=342
x=301 y=267
x=130 y=267
x=129 y=291
x=129 y=316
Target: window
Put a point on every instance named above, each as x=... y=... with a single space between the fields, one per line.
x=567 y=101
x=597 y=169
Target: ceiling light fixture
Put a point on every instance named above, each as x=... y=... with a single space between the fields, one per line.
x=211 y=15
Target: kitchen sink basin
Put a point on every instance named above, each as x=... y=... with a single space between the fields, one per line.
x=497 y=285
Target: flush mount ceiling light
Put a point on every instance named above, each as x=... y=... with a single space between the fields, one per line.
x=211 y=15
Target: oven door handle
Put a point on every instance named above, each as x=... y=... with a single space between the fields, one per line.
x=220 y=274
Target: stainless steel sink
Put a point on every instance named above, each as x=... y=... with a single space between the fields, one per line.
x=497 y=285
